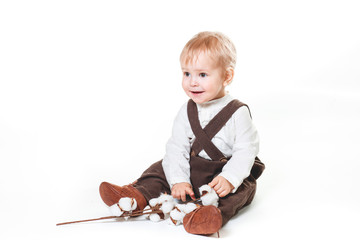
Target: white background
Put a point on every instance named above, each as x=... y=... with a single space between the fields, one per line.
x=89 y=90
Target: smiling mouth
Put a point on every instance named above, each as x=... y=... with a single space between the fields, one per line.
x=196 y=92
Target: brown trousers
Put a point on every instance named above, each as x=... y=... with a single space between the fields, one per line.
x=153 y=181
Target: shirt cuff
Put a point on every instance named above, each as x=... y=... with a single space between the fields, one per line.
x=174 y=181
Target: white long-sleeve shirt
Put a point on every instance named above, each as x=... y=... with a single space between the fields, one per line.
x=237 y=140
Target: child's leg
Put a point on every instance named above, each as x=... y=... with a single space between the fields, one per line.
x=153 y=182
x=233 y=202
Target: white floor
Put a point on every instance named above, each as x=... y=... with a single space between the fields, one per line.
x=72 y=107
x=309 y=189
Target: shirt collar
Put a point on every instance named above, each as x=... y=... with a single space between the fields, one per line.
x=216 y=103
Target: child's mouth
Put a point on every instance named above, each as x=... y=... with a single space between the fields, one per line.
x=196 y=92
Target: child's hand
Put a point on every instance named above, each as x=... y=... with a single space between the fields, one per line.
x=179 y=191
x=222 y=186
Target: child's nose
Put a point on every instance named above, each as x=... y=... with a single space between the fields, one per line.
x=194 y=81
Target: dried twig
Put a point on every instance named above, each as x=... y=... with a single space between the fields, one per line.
x=151 y=210
x=87 y=220
x=125 y=214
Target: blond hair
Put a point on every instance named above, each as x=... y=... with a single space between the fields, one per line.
x=219 y=47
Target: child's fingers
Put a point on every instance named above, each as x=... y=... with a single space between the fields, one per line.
x=190 y=192
x=223 y=192
x=214 y=182
x=218 y=189
x=175 y=194
x=183 y=196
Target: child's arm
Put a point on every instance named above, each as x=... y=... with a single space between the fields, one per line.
x=244 y=149
x=176 y=160
x=180 y=190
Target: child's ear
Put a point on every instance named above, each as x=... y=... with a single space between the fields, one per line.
x=229 y=75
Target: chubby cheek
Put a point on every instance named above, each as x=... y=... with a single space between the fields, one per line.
x=185 y=85
x=206 y=86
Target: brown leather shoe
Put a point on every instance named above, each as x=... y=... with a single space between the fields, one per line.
x=111 y=194
x=204 y=220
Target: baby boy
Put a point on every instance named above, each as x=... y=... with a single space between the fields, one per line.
x=213 y=141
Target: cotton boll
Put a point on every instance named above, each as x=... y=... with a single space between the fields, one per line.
x=154 y=217
x=210 y=199
x=189 y=207
x=127 y=204
x=205 y=188
x=146 y=209
x=209 y=196
x=167 y=207
x=216 y=204
x=165 y=198
x=115 y=210
x=153 y=202
x=180 y=207
x=177 y=215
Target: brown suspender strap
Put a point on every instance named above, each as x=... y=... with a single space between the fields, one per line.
x=204 y=136
x=215 y=124
x=208 y=146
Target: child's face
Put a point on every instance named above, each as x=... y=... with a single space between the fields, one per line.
x=203 y=80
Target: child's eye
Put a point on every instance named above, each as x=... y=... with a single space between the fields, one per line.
x=203 y=74
x=186 y=74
